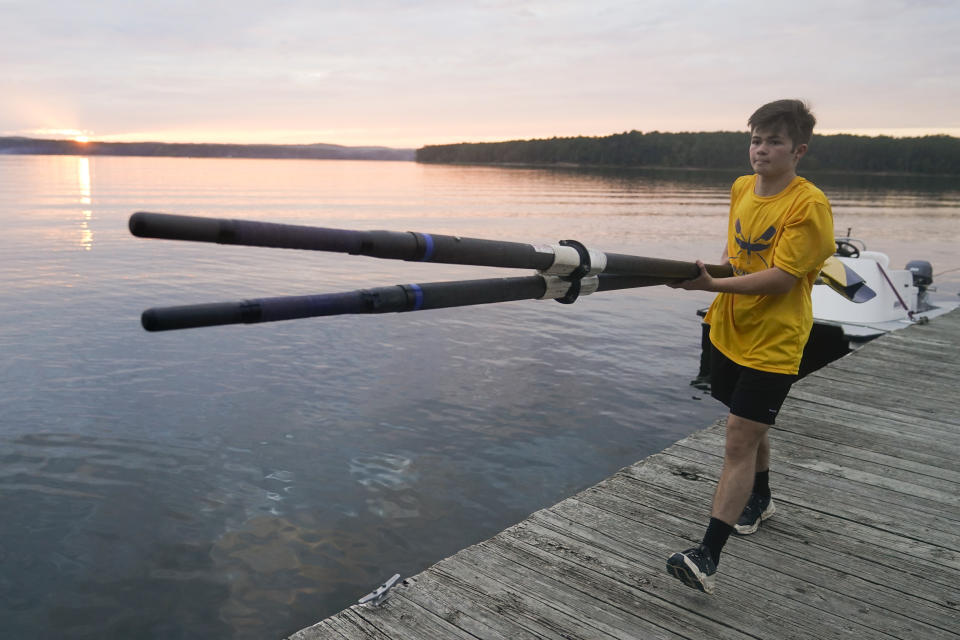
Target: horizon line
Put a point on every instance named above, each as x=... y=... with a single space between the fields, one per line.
x=79 y=136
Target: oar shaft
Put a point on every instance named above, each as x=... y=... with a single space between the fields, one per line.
x=397 y=298
x=411 y=246
x=613 y=282
x=395 y=245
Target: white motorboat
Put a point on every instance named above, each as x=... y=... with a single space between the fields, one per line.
x=902 y=295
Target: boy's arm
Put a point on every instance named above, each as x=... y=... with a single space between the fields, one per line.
x=772 y=281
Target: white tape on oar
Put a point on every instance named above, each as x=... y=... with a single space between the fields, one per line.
x=558 y=286
x=566 y=259
x=598 y=262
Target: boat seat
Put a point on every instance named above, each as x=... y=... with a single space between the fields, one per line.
x=882 y=258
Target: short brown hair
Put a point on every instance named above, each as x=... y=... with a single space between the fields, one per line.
x=793 y=114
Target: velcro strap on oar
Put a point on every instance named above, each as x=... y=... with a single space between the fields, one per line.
x=591 y=263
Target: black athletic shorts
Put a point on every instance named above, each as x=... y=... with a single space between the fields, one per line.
x=749 y=393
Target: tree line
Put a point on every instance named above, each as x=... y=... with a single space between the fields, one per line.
x=36 y=146
x=937 y=154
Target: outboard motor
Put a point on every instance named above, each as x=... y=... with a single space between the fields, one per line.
x=922 y=279
x=922 y=272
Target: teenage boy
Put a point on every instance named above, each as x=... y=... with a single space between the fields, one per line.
x=779 y=233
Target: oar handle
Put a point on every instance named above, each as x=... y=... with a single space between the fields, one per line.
x=719 y=270
x=670 y=270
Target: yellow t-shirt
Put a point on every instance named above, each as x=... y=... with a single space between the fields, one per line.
x=792 y=230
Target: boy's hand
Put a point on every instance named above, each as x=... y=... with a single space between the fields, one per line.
x=703 y=282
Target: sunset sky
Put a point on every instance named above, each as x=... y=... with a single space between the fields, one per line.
x=408 y=73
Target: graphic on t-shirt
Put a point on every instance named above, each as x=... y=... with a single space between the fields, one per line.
x=753 y=245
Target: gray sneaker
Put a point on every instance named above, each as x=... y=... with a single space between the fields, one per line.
x=758 y=509
x=694 y=568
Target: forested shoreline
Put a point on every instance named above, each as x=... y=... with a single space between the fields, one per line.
x=929 y=155
x=36 y=146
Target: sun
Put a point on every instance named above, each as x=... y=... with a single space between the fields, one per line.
x=81 y=136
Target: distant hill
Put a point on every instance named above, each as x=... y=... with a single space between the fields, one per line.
x=34 y=146
x=929 y=155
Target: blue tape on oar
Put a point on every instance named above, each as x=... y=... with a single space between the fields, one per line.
x=429 y=251
x=418 y=296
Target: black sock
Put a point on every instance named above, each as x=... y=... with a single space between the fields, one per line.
x=717 y=533
x=761 y=483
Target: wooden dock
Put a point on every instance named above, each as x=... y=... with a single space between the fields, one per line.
x=864 y=544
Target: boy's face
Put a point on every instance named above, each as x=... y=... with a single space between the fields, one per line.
x=773 y=153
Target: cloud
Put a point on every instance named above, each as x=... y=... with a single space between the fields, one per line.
x=475 y=69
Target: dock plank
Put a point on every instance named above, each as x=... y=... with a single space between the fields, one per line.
x=939 y=495
x=797 y=547
x=631 y=585
x=920 y=568
x=817 y=420
x=863 y=545
x=553 y=619
x=813 y=589
x=639 y=575
x=821 y=435
x=867 y=398
x=475 y=615
x=402 y=618
x=754 y=593
x=882 y=508
x=935 y=427
x=583 y=599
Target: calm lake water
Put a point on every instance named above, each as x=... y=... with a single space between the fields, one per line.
x=246 y=481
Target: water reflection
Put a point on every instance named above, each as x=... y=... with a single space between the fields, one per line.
x=243 y=482
x=86 y=202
